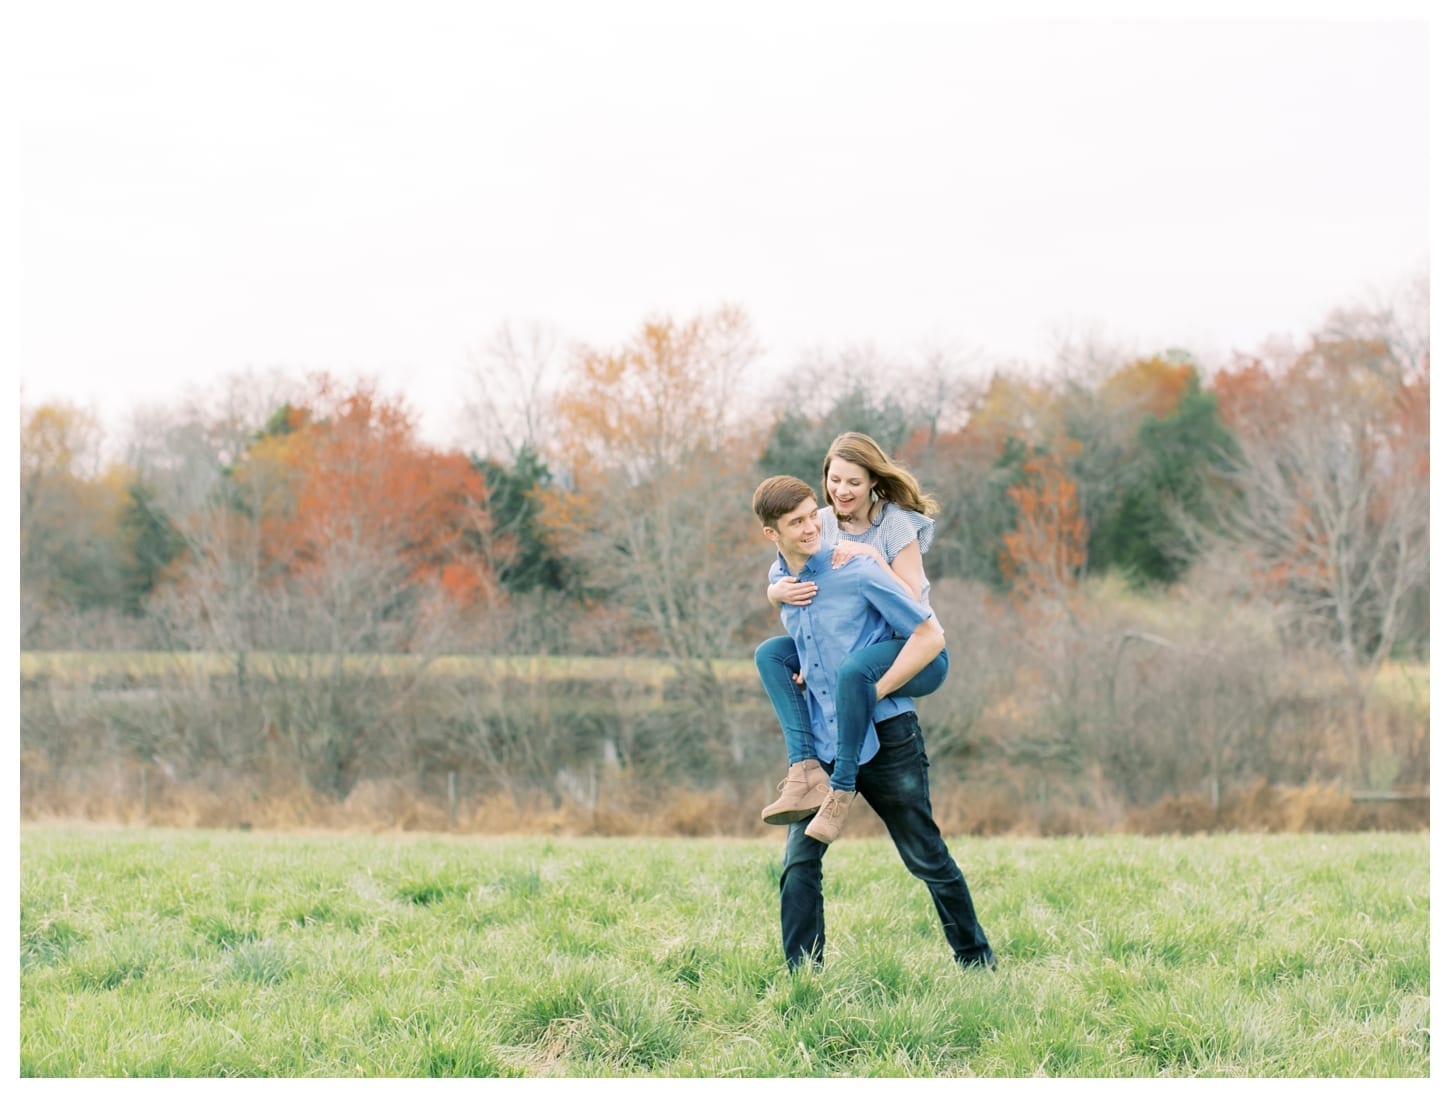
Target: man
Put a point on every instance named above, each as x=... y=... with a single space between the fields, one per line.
x=857 y=605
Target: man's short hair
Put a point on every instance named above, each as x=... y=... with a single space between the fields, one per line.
x=776 y=496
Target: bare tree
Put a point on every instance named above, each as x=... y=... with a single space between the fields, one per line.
x=942 y=386
x=190 y=455
x=1083 y=354
x=1397 y=322
x=659 y=466
x=1331 y=497
x=512 y=381
x=331 y=554
x=73 y=554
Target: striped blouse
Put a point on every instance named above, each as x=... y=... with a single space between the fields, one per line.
x=894 y=529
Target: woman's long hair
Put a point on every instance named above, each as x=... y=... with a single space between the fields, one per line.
x=893 y=483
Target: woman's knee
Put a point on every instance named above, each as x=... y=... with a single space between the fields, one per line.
x=774 y=652
x=864 y=665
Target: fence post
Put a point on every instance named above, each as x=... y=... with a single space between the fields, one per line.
x=452 y=799
x=145 y=793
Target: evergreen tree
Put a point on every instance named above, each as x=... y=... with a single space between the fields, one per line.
x=152 y=543
x=513 y=505
x=797 y=444
x=1168 y=481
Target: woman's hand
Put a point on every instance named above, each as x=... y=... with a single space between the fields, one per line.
x=845 y=550
x=788 y=591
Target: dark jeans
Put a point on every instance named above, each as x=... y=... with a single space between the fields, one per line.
x=894 y=784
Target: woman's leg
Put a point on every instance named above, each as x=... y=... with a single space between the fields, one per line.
x=777 y=662
x=856 y=700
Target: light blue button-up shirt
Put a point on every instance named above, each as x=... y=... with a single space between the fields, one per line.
x=856 y=605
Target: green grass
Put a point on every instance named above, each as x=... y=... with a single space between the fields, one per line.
x=158 y=953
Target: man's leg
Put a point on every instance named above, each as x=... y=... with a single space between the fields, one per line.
x=855 y=705
x=802 y=907
x=894 y=784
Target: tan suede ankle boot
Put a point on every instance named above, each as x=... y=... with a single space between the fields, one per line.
x=832 y=815
x=801 y=793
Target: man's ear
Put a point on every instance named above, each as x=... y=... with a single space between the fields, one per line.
x=771 y=532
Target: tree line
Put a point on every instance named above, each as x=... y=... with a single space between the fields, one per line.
x=603 y=508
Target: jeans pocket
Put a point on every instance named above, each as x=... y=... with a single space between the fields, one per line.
x=898 y=732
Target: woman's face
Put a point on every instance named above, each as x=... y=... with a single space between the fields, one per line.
x=849 y=486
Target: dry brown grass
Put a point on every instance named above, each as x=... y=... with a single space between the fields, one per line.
x=1178 y=814
x=623 y=810
x=1263 y=807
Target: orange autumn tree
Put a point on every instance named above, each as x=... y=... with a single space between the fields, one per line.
x=971 y=466
x=1015 y=407
x=656 y=465
x=1043 y=554
x=366 y=527
x=1149 y=386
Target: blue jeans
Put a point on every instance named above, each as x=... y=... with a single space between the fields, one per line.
x=777 y=660
x=894 y=784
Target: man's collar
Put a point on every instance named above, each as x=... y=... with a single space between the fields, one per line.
x=821 y=562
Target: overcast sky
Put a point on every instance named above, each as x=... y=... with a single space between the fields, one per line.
x=376 y=187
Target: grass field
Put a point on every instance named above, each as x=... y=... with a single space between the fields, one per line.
x=179 y=953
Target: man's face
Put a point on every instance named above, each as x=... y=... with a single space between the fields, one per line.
x=797 y=533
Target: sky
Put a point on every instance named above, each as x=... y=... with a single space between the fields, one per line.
x=373 y=189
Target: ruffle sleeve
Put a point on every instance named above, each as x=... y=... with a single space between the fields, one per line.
x=900 y=527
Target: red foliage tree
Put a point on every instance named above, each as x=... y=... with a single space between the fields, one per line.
x=1046 y=550
x=359 y=515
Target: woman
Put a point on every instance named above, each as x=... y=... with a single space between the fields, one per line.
x=876 y=508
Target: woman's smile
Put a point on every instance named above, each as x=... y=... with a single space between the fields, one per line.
x=849 y=487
